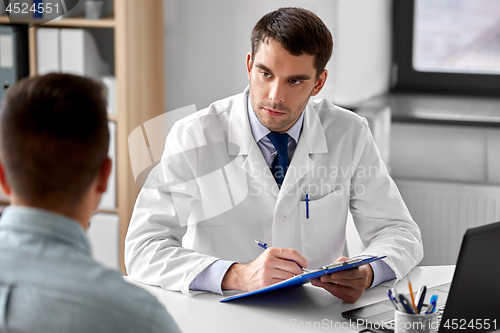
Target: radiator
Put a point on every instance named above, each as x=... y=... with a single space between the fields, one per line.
x=445 y=210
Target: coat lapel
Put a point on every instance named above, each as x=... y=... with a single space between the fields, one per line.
x=312 y=141
x=243 y=143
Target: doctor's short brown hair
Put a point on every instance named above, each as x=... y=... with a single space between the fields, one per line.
x=298 y=31
x=53 y=137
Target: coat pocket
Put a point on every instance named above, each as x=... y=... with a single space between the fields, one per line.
x=324 y=231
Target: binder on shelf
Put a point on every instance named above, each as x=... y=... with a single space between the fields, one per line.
x=73 y=51
x=80 y=55
x=38 y=13
x=108 y=199
x=2 y=8
x=48 y=50
x=110 y=84
x=14 y=62
x=103 y=234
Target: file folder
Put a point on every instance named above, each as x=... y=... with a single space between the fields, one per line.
x=14 y=63
x=48 y=54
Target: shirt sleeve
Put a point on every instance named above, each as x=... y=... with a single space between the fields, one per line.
x=381 y=273
x=211 y=278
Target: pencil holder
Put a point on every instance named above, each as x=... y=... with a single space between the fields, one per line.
x=416 y=323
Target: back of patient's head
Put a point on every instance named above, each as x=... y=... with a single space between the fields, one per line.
x=53 y=137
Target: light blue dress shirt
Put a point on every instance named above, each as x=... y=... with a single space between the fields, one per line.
x=211 y=278
x=50 y=283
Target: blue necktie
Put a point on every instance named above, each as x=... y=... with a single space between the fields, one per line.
x=281 y=161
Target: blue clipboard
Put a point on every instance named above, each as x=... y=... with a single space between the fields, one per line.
x=301 y=279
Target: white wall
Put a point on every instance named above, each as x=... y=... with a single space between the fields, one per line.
x=362 y=60
x=207 y=41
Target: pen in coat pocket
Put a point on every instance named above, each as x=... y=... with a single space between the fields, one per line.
x=307 y=202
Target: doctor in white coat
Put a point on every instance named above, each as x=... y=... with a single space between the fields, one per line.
x=214 y=192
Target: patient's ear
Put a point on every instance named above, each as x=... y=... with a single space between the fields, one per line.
x=3 y=181
x=104 y=172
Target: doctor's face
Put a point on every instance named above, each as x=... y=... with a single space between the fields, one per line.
x=281 y=84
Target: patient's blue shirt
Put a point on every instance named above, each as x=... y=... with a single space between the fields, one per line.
x=50 y=283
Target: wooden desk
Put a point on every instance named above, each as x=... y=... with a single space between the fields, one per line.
x=303 y=309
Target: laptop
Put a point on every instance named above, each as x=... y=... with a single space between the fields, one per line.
x=470 y=303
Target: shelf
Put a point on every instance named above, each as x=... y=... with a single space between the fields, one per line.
x=107 y=22
x=109 y=211
x=113 y=117
x=4 y=19
x=79 y=22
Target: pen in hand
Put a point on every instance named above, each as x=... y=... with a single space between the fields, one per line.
x=264 y=246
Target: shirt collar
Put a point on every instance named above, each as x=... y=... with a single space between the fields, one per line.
x=259 y=131
x=46 y=224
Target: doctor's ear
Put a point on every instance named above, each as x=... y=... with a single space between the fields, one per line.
x=320 y=83
x=249 y=63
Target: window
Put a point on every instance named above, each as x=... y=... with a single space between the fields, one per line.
x=447 y=46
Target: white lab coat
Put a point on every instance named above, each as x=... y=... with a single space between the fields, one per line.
x=213 y=194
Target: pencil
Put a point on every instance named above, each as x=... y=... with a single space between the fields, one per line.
x=412 y=297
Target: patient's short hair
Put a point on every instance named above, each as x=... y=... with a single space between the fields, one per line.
x=54 y=136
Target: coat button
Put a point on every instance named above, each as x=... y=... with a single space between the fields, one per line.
x=280 y=217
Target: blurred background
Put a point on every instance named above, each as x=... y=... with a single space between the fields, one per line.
x=207 y=43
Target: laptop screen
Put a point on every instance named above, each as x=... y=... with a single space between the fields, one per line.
x=473 y=303
x=473 y=300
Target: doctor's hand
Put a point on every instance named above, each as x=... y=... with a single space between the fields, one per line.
x=347 y=285
x=269 y=268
